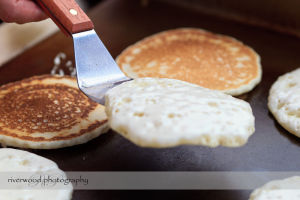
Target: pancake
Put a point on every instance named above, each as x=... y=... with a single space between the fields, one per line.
x=47 y=112
x=21 y=164
x=284 y=101
x=286 y=189
x=158 y=112
x=210 y=60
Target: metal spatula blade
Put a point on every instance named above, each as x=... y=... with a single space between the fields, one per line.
x=97 y=71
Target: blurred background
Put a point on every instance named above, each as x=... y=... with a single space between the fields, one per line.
x=15 y=38
x=278 y=15
x=86 y=4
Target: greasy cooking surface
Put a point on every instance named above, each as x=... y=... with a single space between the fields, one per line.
x=123 y=22
x=196 y=56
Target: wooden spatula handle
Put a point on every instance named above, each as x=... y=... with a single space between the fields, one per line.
x=67 y=15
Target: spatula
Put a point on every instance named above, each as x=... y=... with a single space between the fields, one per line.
x=97 y=71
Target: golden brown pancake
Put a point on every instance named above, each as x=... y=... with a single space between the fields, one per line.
x=46 y=112
x=213 y=61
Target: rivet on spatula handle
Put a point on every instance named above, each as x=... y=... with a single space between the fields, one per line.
x=67 y=15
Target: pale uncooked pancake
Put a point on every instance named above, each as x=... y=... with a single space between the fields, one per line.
x=286 y=189
x=284 y=101
x=210 y=60
x=46 y=112
x=17 y=163
x=157 y=112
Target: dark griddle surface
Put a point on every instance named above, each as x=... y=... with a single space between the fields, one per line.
x=123 y=22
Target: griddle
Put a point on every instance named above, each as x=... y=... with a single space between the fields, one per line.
x=123 y=22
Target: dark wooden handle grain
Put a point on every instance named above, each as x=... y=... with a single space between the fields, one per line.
x=67 y=15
